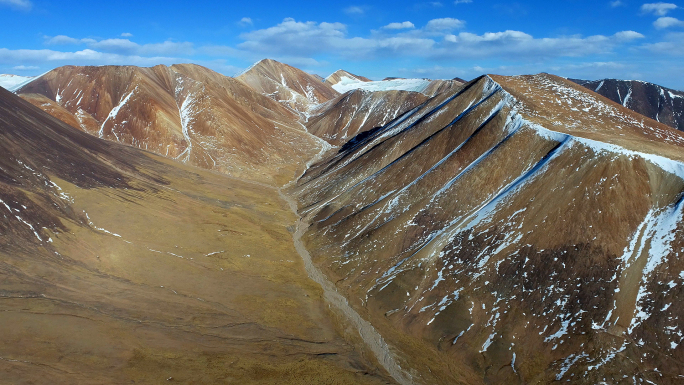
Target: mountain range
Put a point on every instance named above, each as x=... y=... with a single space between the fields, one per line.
x=173 y=224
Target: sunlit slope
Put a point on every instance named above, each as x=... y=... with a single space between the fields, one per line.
x=121 y=266
x=520 y=230
x=291 y=87
x=358 y=111
x=185 y=112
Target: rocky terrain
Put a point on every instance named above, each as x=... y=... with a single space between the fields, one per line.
x=290 y=86
x=505 y=230
x=521 y=230
x=185 y=112
x=358 y=111
x=658 y=103
x=121 y=266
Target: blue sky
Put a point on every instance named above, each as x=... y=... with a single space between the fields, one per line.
x=436 y=39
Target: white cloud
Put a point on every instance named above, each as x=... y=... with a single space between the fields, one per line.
x=667 y=22
x=126 y=34
x=403 y=25
x=18 y=4
x=463 y=1
x=125 y=46
x=246 y=21
x=673 y=45
x=616 y=3
x=658 y=9
x=25 y=68
x=83 y=57
x=628 y=35
x=433 y=42
x=61 y=40
x=520 y=45
x=354 y=11
x=445 y=24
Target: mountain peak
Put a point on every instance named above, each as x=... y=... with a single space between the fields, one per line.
x=342 y=75
x=294 y=88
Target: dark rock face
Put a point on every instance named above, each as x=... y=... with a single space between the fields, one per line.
x=658 y=103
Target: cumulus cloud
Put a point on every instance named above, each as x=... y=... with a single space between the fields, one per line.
x=61 y=40
x=403 y=25
x=616 y=3
x=82 y=57
x=126 y=34
x=18 y=4
x=246 y=21
x=445 y=24
x=628 y=35
x=354 y=10
x=522 y=45
x=667 y=22
x=434 y=41
x=25 y=68
x=673 y=45
x=658 y=9
x=125 y=46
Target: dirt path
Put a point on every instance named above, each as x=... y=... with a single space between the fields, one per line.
x=368 y=333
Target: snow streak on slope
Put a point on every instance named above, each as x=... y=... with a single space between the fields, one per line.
x=486 y=219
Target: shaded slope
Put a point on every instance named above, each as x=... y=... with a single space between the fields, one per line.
x=658 y=103
x=185 y=112
x=287 y=85
x=520 y=230
x=122 y=266
x=358 y=111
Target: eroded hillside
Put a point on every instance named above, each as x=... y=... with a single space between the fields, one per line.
x=520 y=230
x=122 y=266
x=185 y=112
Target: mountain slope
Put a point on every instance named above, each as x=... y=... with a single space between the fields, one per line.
x=121 y=266
x=185 y=112
x=358 y=111
x=342 y=76
x=658 y=103
x=520 y=230
x=287 y=85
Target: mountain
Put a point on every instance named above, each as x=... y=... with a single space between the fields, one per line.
x=342 y=76
x=287 y=85
x=658 y=103
x=439 y=86
x=122 y=266
x=186 y=112
x=425 y=86
x=358 y=111
x=519 y=230
x=9 y=82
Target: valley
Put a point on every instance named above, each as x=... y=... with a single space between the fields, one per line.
x=173 y=224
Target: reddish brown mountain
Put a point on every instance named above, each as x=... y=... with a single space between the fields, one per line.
x=120 y=266
x=288 y=85
x=344 y=76
x=520 y=230
x=358 y=111
x=185 y=112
